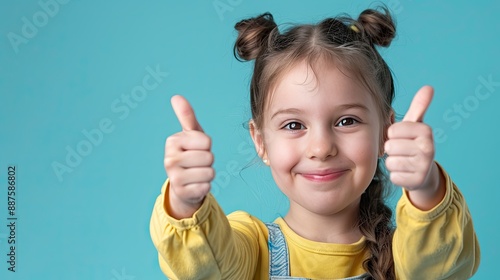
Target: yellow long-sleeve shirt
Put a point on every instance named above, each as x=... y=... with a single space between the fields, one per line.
x=435 y=244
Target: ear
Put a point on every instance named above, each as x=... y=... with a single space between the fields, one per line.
x=258 y=140
x=387 y=123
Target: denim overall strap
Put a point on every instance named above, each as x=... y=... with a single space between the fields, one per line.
x=279 y=259
x=278 y=252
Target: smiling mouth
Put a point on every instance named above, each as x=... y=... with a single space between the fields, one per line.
x=324 y=176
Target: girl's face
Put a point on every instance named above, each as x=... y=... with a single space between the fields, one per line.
x=321 y=137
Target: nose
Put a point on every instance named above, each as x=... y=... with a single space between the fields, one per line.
x=321 y=145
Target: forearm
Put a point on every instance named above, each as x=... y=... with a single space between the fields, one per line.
x=203 y=246
x=437 y=244
x=183 y=248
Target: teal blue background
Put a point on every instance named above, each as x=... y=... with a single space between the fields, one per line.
x=93 y=222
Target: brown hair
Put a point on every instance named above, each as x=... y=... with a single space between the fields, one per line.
x=351 y=45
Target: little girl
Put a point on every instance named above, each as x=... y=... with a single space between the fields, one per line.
x=322 y=122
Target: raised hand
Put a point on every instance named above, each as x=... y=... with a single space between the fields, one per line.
x=410 y=150
x=188 y=162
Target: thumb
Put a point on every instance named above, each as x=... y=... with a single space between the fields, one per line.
x=185 y=113
x=419 y=104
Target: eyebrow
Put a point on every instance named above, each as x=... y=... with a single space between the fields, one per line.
x=286 y=111
x=340 y=107
x=353 y=105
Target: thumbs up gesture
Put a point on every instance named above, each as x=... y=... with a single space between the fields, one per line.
x=410 y=150
x=188 y=162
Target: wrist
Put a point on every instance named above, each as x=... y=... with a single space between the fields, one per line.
x=178 y=208
x=431 y=192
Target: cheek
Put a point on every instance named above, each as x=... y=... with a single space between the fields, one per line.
x=282 y=154
x=364 y=151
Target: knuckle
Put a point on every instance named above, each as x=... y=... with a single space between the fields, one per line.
x=204 y=188
x=200 y=190
x=427 y=147
x=388 y=146
x=203 y=141
x=210 y=158
x=210 y=174
x=207 y=187
x=195 y=192
x=174 y=180
x=390 y=131
x=427 y=131
x=172 y=142
x=207 y=141
x=394 y=177
x=389 y=163
x=388 y=160
x=170 y=162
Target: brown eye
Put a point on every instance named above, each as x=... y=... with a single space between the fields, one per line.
x=294 y=126
x=347 y=122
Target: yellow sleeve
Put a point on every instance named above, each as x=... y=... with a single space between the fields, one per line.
x=437 y=244
x=203 y=246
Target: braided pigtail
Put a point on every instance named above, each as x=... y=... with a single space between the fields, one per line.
x=376 y=225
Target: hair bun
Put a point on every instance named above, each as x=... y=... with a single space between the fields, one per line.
x=378 y=27
x=253 y=36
